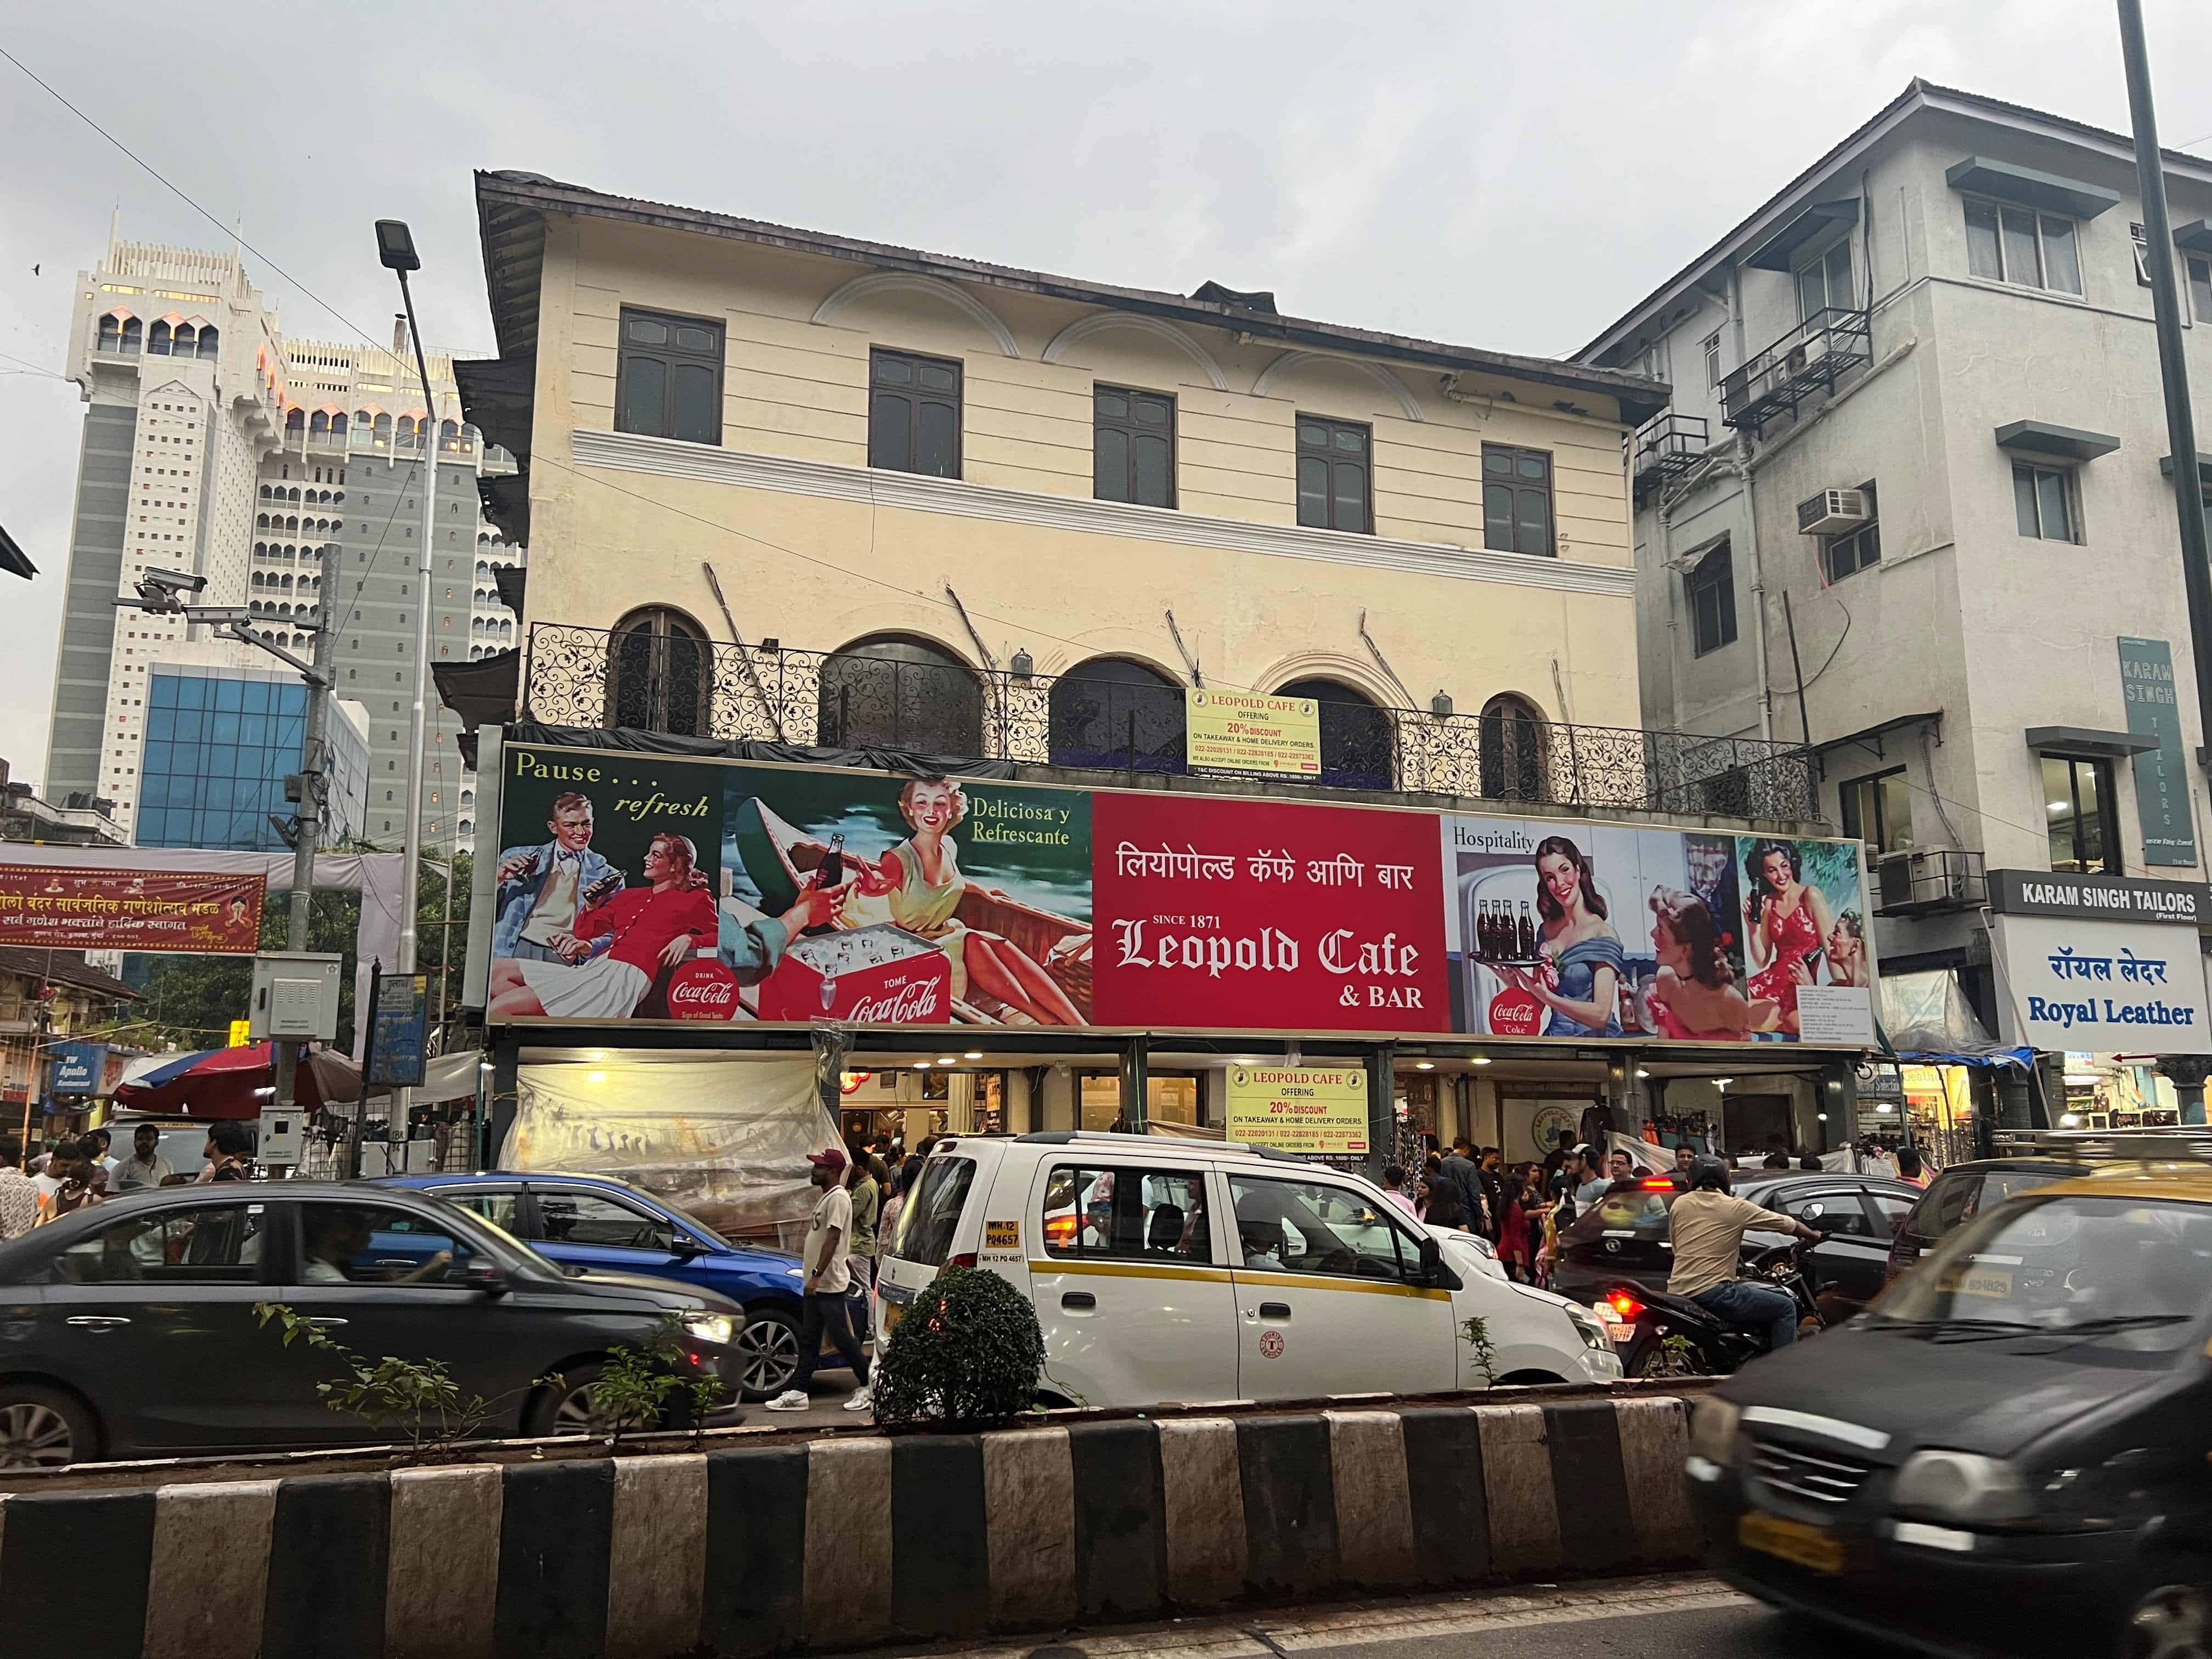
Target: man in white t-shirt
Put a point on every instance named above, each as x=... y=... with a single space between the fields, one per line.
x=829 y=1240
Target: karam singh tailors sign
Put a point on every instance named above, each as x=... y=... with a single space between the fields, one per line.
x=2101 y=964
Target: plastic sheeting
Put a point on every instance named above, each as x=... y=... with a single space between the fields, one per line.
x=1928 y=1021
x=726 y=1139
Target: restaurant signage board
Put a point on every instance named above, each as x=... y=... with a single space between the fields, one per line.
x=2146 y=686
x=1314 y=1111
x=79 y=1068
x=634 y=886
x=1245 y=732
x=68 y=907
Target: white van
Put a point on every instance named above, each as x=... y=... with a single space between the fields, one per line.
x=1311 y=1284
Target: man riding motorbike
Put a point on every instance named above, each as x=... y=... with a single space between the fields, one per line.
x=1708 y=1224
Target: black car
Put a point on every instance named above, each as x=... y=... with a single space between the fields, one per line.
x=1623 y=1237
x=1963 y=1191
x=127 y=1329
x=2007 y=1454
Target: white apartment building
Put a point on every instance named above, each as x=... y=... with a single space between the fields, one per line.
x=215 y=446
x=1913 y=499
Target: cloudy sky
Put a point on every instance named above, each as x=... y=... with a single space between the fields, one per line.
x=1509 y=176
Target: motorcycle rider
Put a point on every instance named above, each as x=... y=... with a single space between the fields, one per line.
x=1708 y=1224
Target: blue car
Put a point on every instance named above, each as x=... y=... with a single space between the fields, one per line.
x=609 y=1226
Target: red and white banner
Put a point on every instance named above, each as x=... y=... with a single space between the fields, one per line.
x=84 y=909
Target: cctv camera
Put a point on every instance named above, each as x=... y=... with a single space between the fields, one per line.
x=170 y=582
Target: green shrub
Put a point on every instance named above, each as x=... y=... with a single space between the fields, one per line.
x=966 y=1352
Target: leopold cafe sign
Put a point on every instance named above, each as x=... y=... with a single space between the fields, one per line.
x=2101 y=964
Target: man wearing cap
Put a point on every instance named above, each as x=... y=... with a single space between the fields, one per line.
x=828 y=1237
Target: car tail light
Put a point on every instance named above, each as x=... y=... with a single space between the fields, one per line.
x=1658 y=1183
x=1623 y=1303
x=964 y=1261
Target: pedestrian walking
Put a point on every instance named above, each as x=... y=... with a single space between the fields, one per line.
x=18 y=1193
x=1513 y=1223
x=72 y=1168
x=1393 y=1189
x=1488 y=1166
x=1445 y=1207
x=823 y=1306
x=145 y=1167
x=1467 y=1179
x=866 y=1192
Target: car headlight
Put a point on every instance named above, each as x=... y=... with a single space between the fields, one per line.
x=1961 y=1486
x=709 y=1328
x=1713 y=1423
x=1592 y=1333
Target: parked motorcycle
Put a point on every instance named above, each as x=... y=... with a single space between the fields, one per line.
x=1674 y=1336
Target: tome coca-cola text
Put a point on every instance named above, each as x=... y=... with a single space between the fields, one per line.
x=912 y=1002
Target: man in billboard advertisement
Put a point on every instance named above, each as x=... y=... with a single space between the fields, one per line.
x=543 y=889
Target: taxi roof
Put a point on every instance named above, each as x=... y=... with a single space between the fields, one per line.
x=2180 y=1182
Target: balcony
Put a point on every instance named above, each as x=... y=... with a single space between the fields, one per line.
x=1114 y=716
x=1667 y=447
x=1809 y=358
x=1928 y=882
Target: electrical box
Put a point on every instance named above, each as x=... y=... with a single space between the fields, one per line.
x=281 y=1136
x=295 y=997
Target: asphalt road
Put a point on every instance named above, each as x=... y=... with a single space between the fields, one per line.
x=1688 y=1617
x=830 y=1391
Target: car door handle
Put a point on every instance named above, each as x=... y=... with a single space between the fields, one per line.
x=1274 y=1310
x=1078 y=1300
x=99 y=1322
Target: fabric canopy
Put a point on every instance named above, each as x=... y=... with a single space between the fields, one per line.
x=1929 y=1022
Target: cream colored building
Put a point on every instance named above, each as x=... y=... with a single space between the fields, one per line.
x=1012 y=544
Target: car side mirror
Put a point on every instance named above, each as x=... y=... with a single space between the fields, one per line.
x=687 y=1247
x=489 y=1277
x=1432 y=1260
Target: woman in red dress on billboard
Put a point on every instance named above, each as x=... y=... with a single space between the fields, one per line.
x=1694 y=998
x=1792 y=922
x=608 y=964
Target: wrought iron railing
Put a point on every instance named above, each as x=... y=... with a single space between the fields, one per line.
x=1811 y=355
x=1103 y=717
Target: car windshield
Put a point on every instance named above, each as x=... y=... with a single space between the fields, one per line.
x=929 y=1218
x=2128 y=1272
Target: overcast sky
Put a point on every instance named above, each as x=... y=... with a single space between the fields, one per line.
x=1506 y=176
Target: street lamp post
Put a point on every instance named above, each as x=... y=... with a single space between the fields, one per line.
x=395 y=248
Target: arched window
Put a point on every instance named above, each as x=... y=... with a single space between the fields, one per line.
x=448 y=431
x=132 y=330
x=186 y=339
x=362 y=419
x=261 y=522
x=157 y=342
x=469 y=433
x=383 y=428
x=896 y=691
x=319 y=424
x=210 y=341
x=110 y=334
x=660 y=673
x=1511 y=741
x=338 y=424
x=259 y=580
x=1111 y=712
x=1359 y=741
x=295 y=496
x=296 y=421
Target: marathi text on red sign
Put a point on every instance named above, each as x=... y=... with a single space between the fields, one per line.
x=185 y=911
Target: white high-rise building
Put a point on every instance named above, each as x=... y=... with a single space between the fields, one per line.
x=216 y=447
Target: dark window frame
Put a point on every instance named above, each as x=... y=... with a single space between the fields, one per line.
x=1125 y=1217
x=1129 y=425
x=2035 y=475
x=914 y=403
x=670 y=357
x=1844 y=556
x=1713 y=576
x=1515 y=453
x=1326 y=453
x=1853 y=816
x=2110 y=860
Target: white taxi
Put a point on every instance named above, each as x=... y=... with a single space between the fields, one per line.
x=1174 y=1270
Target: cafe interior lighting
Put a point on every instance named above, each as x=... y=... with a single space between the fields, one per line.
x=974 y=1054
x=1481 y=1059
x=921 y=1065
x=948 y=1060
x=1424 y=1065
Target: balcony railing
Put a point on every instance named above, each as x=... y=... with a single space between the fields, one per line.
x=1923 y=883
x=1667 y=447
x=1811 y=355
x=1103 y=716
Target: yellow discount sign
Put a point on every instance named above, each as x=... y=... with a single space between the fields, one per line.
x=1244 y=732
x=1319 y=1111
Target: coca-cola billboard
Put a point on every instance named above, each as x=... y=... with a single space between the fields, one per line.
x=637 y=888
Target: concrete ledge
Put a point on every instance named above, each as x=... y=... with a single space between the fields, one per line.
x=768 y=1542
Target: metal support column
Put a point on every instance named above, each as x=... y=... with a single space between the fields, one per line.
x=1136 y=1083
x=1382 y=1109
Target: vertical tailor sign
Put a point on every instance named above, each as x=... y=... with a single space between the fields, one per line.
x=634 y=887
x=2169 y=829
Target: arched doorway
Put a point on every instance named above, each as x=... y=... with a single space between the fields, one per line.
x=1512 y=740
x=1111 y=712
x=660 y=673
x=1358 y=740
x=899 y=691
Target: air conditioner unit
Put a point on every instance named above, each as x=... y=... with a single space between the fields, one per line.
x=1833 y=512
x=1893 y=878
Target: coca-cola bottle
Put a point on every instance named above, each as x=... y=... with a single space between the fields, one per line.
x=829 y=982
x=1527 y=930
x=1491 y=940
x=1483 y=931
x=827 y=874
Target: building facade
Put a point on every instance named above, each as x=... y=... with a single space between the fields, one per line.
x=219 y=744
x=216 y=447
x=795 y=497
x=1911 y=503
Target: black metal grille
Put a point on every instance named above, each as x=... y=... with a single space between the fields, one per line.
x=1804 y=1476
x=587 y=677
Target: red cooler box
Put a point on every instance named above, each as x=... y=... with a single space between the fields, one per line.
x=878 y=976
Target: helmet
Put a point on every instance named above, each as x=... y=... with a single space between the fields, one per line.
x=1708 y=1175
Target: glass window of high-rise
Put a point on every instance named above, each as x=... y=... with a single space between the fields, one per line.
x=216 y=753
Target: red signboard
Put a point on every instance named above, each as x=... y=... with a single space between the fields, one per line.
x=193 y=911
x=1274 y=915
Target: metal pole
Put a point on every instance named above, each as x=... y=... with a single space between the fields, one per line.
x=307 y=816
x=403 y=1100
x=2173 y=370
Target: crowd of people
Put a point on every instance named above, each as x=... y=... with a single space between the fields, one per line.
x=71 y=1174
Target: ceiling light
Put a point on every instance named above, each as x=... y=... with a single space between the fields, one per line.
x=595 y=1077
x=948 y=1060
x=1424 y=1065
x=921 y=1065
x=1482 y=1059
x=1640 y=1072
x=974 y=1053
x=1823 y=1116
x=1722 y=1082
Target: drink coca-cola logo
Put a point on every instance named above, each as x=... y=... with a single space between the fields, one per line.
x=703 y=990
x=1515 y=1013
x=915 y=1002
